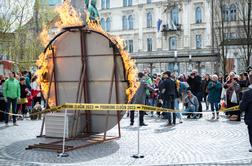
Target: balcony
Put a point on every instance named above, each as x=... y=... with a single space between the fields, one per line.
x=171 y=28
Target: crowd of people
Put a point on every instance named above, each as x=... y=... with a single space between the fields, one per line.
x=191 y=91
x=20 y=93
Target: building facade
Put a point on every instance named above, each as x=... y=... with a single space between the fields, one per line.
x=163 y=35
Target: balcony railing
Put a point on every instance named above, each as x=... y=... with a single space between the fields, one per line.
x=168 y=28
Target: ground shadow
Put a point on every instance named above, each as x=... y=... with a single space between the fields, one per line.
x=17 y=152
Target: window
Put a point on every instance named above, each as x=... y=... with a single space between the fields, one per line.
x=232 y=13
x=225 y=13
x=149 y=44
x=198 y=42
x=53 y=2
x=107 y=4
x=108 y=24
x=103 y=4
x=103 y=24
x=148 y=1
x=129 y=2
x=125 y=3
x=149 y=20
x=173 y=43
x=174 y=16
x=198 y=15
x=130 y=19
x=130 y=47
x=124 y=23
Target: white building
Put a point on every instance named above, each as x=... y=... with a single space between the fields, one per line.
x=163 y=35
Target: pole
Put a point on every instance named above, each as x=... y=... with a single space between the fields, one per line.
x=63 y=154
x=137 y=156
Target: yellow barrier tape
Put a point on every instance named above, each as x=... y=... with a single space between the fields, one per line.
x=117 y=107
x=113 y=107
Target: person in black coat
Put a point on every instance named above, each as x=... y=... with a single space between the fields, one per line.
x=246 y=106
x=168 y=93
x=195 y=83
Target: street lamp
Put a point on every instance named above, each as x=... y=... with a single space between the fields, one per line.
x=190 y=65
x=175 y=68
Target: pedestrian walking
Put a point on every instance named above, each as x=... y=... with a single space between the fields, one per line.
x=2 y=101
x=11 y=93
x=246 y=106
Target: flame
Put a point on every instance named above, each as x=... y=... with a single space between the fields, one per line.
x=69 y=17
x=44 y=36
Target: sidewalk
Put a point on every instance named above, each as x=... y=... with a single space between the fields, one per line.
x=194 y=142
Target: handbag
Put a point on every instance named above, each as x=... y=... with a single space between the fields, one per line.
x=234 y=98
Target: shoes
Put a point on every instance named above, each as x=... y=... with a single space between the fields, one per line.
x=15 y=124
x=6 y=125
x=131 y=123
x=180 y=121
x=169 y=124
x=250 y=150
x=143 y=124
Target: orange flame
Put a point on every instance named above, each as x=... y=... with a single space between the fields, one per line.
x=69 y=17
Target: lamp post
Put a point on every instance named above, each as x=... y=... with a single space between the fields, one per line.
x=175 y=67
x=190 y=64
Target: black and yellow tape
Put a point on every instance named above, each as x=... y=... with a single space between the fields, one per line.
x=113 y=107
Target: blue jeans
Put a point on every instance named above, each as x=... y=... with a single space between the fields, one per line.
x=176 y=106
x=214 y=106
x=12 y=102
x=190 y=109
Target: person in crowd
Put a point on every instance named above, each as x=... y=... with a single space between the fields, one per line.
x=205 y=83
x=140 y=98
x=168 y=90
x=37 y=108
x=11 y=92
x=177 y=97
x=195 y=83
x=214 y=96
x=35 y=91
x=27 y=79
x=191 y=104
x=2 y=101
x=246 y=106
x=23 y=97
x=232 y=96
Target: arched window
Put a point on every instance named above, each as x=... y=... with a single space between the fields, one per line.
x=130 y=18
x=198 y=15
x=108 y=25
x=124 y=23
x=107 y=4
x=149 y=20
x=232 y=12
x=173 y=43
x=103 y=24
x=174 y=16
x=225 y=12
x=103 y=4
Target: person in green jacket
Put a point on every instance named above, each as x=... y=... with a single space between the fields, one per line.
x=11 y=92
x=214 y=95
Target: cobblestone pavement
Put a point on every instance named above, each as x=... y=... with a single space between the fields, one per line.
x=194 y=142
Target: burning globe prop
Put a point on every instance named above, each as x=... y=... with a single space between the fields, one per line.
x=84 y=64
